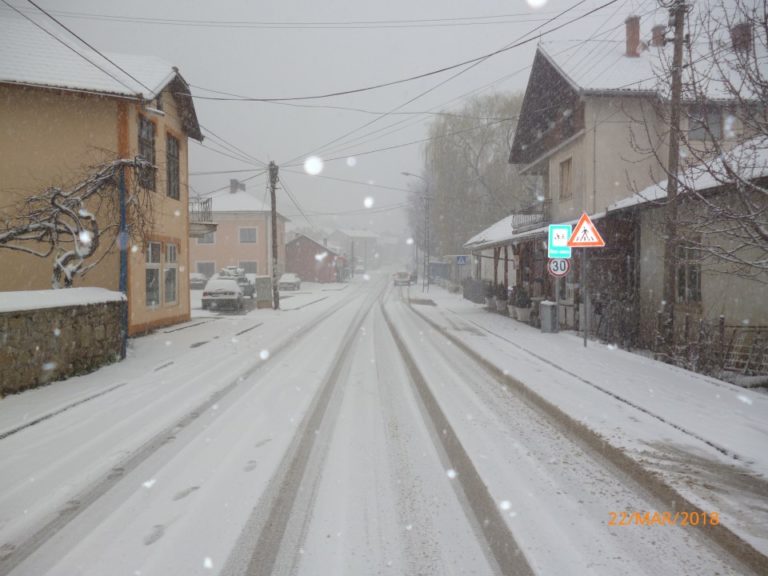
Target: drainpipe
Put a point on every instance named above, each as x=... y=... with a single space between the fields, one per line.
x=123 y=284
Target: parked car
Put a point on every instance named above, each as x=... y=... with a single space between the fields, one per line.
x=197 y=280
x=221 y=293
x=402 y=278
x=238 y=274
x=246 y=286
x=289 y=281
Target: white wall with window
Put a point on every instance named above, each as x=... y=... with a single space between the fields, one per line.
x=248 y=235
x=250 y=266
x=207 y=238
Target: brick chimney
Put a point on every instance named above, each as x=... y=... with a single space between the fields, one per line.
x=633 y=36
x=657 y=35
x=741 y=37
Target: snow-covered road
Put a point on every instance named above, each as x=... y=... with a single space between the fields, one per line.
x=346 y=437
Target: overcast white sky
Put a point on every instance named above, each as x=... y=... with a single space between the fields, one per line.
x=299 y=60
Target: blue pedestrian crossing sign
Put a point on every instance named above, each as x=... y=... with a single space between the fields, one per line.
x=557 y=246
x=462 y=260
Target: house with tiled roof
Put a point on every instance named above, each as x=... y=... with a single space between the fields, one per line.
x=65 y=108
x=243 y=236
x=592 y=135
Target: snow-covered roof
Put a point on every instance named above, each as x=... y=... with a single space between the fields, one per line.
x=332 y=249
x=240 y=201
x=47 y=55
x=498 y=232
x=748 y=161
x=36 y=299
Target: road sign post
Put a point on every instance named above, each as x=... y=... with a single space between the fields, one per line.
x=584 y=236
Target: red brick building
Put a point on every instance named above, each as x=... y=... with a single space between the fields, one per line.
x=313 y=261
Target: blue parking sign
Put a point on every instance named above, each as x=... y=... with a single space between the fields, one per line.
x=557 y=246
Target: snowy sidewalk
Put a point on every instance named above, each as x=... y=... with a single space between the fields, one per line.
x=162 y=353
x=706 y=438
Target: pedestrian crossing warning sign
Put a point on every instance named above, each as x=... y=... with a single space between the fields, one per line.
x=585 y=235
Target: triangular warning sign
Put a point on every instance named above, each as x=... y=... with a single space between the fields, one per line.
x=585 y=235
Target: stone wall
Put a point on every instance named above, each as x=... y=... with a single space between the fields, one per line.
x=42 y=345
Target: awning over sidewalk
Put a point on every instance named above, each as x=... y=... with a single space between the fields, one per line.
x=501 y=233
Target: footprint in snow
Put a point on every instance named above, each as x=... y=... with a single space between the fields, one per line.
x=186 y=492
x=157 y=532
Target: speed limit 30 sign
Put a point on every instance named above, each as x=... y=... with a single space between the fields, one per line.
x=558 y=267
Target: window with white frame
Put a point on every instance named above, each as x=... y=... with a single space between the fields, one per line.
x=705 y=123
x=170 y=271
x=248 y=235
x=152 y=266
x=688 y=274
x=147 y=152
x=172 y=166
x=250 y=267
x=566 y=190
x=207 y=238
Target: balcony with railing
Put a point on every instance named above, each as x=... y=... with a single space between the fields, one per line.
x=201 y=217
x=534 y=216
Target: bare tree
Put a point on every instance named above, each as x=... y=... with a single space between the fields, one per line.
x=722 y=193
x=727 y=143
x=72 y=224
x=472 y=184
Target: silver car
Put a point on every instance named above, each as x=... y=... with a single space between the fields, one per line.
x=222 y=293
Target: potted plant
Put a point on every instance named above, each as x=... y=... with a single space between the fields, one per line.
x=522 y=304
x=490 y=297
x=511 y=303
x=501 y=299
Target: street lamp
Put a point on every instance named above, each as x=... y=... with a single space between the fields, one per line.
x=425 y=281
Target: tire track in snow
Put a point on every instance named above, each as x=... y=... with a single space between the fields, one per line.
x=13 y=554
x=278 y=523
x=482 y=510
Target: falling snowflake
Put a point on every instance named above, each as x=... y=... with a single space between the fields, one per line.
x=351 y=161
x=57 y=332
x=746 y=399
x=321 y=256
x=208 y=563
x=49 y=366
x=85 y=237
x=313 y=165
x=264 y=354
x=177 y=213
x=149 y=483
x=366 y=277
x=409 y=241
x=505 y=505
x=451 y=473
x=368 y=202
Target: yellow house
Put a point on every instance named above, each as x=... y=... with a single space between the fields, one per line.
x=65 y=109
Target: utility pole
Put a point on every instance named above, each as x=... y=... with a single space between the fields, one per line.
x=425 y=282
x=677 y=17
x=273 y=169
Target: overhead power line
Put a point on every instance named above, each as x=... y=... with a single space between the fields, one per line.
x=417 y=76
x=494 y=19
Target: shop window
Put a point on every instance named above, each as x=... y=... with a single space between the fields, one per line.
x=705 y=123
x=207 y=238
x=207 y=268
